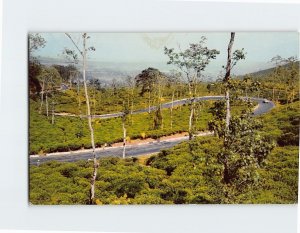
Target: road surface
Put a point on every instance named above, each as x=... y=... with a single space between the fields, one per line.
x=262 y=108
x=142 y=148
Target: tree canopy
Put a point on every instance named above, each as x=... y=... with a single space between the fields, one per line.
x=147 y=79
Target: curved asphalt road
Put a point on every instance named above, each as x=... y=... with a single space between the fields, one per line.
x=143 y=148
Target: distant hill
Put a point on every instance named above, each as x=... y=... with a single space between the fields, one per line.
x=263 y=72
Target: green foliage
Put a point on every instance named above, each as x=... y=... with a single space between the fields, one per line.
x=191 y=172
x=243 y=151
x=34 y=69
x=67 y=72
x=279 y=177
x=282 y=124
x=147 y=79
x=281 y=83
x=50 y=77
x=35 y=41
x=185 y=174
x=56 y=183
x=119 y=182
x=196 y=57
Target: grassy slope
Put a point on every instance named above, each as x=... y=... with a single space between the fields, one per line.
x=62 y=136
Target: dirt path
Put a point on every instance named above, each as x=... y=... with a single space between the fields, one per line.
x=148 y=140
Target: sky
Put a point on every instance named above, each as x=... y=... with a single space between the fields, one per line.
x=146 y=49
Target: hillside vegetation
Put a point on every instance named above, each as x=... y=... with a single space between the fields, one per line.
x=249 y=159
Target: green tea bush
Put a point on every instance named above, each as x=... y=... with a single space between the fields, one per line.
x=188 y=173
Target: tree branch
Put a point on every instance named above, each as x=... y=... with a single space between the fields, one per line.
x=68 y=35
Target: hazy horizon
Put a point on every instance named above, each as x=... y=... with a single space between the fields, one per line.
x=132 y=52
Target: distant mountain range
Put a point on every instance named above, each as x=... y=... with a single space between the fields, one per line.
x=107 y=71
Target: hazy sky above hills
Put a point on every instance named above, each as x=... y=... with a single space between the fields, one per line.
x=146 y=49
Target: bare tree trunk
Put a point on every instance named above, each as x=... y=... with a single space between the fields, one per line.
x=191 y=103
x=52 y=120
x=160 y=104
x=149 y=98
x=172 y=106
x=78 y=93
x=94 y=175
x=89 y=117
x=228 y=115
x=128 y=100
x=193 y=94
x=226 y=79
x=131 y=109
x=47 y=109
x=94 y=101
x=195 y=113
x=70 y=81
x=181 y=94
x=191 y=121
x=94 y=96
x=42 y=96
x=124 y=136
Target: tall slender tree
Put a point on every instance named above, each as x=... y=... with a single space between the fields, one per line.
x=83 y=53
x=226 y=79
x=124 y=120
x=173 y=82
x=232 y=60
x=244 y=148
x=130 y=82
x=159 y=86
x=192 y=62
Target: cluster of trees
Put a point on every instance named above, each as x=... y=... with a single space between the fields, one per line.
x=34 y=68
x=281 y=83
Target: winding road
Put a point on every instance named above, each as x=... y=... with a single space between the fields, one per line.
x=142 y=148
